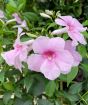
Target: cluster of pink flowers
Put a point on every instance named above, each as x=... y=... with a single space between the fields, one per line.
x=51 y=56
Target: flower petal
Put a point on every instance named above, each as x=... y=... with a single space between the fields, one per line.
x=78 y=25
x=9 y=57
x=18 y=63
x=59 y=31
x=40 y=44
x=23 y=54
x=50 y=70
x=65 y=68
x=60 y=22
x=56 y=44
x=1 y=14
x=65 y=62
x=77 y=58
x=67 y=19
x=77 y=36
x=72 y=49
x=34 y=62
x=18 y=20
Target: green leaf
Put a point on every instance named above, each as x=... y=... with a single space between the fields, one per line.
x=65 y=36
x=75 y=88
x=51 y=25
x=72 y=75
x=82 y=50
x=6 y=98
x=50 y=88
x=1 y=102
x=28 y=83
x=21 y=4
x=38 y=85
x=23 y=102
x=2 y=76
x=31 y=35
x=85 y=97
x=85 y=33
x=28 y=103
x=57 y=103
x=1 y=60
x=85 y=23
x=68 y=96
x=8 y=85
x=12 y=3
x=31 y=16
x=18 y=93
x=19 y=102
x=63 y=77
x=1 y=23
x=10 y=102
x=11 y=7
x=44 y=102
x=71 y=98
x=84 y=67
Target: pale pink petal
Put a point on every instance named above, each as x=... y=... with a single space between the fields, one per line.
x=34 y=62
x=1 y=14
x=66 y=57
x=28 y=44
x=18 y=63
x=56 y=44
x=77 y=36
x=40 y=44
x=59 y=31
x=80 y=38
x=19 y=30
x=23 y=54
x=78 y=25
x=65 y=68
x=17 y=42
x=65 y=61
x=24 y=25
x=9 y=57
x=72 y=49
x=67 y=19
x=60 y=22
x=74 y=43
x=18 y=20
x=69 y=46
x=20 y=33
x=50 y=70
x=77 y=58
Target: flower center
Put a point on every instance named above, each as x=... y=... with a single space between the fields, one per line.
x=49 y=55
x=18 y=47
x=70 y=27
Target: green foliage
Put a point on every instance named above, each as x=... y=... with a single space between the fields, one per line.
x=50 y=88
x=44 y=102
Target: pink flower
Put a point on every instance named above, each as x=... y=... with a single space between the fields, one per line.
x=50 y=57
x=72 y=26
x=72 y=49
x=22 y=24
x=17 y=18
x=1 y=14
x=19 y=53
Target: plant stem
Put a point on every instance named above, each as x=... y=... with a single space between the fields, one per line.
x=61 y=89
x=61 y=85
